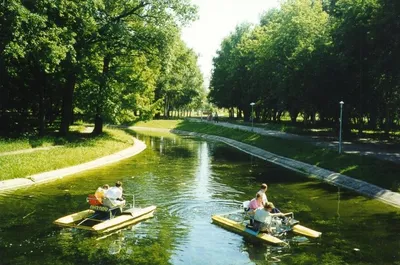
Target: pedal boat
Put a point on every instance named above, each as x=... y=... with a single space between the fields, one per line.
x=102 y=219
x=242 y=227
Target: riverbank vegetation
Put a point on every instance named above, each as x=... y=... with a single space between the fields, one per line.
x=306 y=56
x=322 y=131
x=77 y=148
x=381 y=173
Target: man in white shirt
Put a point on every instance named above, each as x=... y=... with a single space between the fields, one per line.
x=114 y=196
x=263 y=217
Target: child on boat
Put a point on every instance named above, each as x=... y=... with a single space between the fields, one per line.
x=262 y=192
x=101 y=192
x=255 y=203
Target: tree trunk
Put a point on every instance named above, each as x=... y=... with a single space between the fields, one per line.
x=388 y=121
x=98 y=125
x=293 y=115
x=41 y=114
x=98 y=121
x=66 y=112
x=360 y=117
x=166 y=107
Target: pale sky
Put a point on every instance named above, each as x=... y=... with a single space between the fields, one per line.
x=217 y=19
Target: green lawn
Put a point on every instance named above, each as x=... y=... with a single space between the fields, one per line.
x=317 y=130
x=77 y=148
x=31 y=142
x=165 y=124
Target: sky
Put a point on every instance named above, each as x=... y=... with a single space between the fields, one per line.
x=217 y=19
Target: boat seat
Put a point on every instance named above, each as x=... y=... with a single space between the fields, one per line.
x=92 y=199
x=96 y=205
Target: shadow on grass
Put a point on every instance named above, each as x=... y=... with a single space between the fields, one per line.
x=72 y=139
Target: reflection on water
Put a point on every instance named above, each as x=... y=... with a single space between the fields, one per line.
x=189 y=180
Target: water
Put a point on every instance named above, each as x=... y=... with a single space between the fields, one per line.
x=189 y=180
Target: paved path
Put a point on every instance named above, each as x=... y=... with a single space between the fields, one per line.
x=5 y=185
x=381 y=150
x=362 y=187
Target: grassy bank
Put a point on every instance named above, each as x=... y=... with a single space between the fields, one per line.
x=381 y=173
x=309 y=129
x=75 y=149
x=163 y=124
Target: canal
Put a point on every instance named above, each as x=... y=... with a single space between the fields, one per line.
x=189 y=180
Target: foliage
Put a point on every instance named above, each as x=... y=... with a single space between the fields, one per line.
x=306 y=56
x=99 y=57
x=180 y=84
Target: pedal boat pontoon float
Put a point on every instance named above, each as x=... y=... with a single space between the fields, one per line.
x=102 y=219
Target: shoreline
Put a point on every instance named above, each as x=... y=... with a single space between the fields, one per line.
x=12 y=184
x=328 y=176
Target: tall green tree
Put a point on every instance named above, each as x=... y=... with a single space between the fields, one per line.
x=180 y=80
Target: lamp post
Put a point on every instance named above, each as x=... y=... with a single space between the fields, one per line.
x=340 y=127
x=252 y=118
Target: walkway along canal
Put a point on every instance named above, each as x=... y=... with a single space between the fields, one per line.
x=331 y=177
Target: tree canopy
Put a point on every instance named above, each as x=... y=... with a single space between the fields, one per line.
x=306 y=56
x=99 y=58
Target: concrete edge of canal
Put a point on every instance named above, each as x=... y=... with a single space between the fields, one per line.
x=325 y=175
x=12 y=184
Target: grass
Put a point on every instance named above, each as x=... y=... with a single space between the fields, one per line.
x=77 y=148
x=165 y=124
x=300 y=128
x=381 y=173
x=9 y=145
x=31 y=142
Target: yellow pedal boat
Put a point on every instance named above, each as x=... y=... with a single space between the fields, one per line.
x=102 y=219
x=242 y=227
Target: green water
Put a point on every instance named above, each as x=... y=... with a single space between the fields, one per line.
x=189 y=180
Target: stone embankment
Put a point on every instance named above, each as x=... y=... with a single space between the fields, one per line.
x=328 y=176
x=138 y=147
x=366 y=147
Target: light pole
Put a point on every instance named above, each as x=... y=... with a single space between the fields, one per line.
x=340 y=127
x=252 y=118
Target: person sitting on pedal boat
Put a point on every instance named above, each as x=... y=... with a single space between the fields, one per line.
x=114 y=196
x=101 y=192
x=255 y=203
x=262 y=192
x=263 y=217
